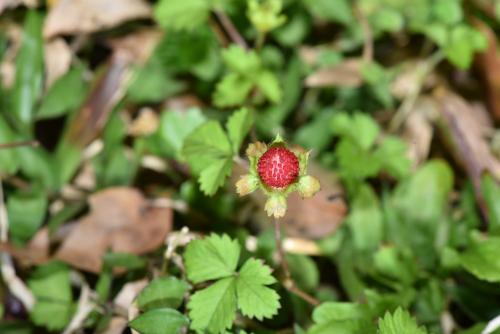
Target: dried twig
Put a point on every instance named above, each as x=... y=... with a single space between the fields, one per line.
x=230 y=29
x=85 y=306
x=32 y=143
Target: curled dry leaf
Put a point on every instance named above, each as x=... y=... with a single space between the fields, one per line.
x=469 y=126
x=57 y=60
x=310 y=218
x=418 y=129
x=120 y=220
x=69 y=17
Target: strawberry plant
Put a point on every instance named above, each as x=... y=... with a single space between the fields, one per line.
x=249 y=166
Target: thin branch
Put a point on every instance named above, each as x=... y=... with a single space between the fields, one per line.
x=32 y=143
x=288 y=281
x=368 y=34
x=230 y=29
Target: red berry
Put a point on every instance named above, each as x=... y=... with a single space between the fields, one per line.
x=278 y=167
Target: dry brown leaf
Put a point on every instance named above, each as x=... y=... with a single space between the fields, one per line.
x=9 y=4
x=310 y=218
x=57 y=60
x=36 y=252
x=183 y=102
x=320 y=215
x=147 y=39
x=13 y=32
x=345 y=74
x=70 y=17
x=145 y=123
x=120 y=220
x=489 y=64
x=418 y=130
x=468 y=126
x=116 y=326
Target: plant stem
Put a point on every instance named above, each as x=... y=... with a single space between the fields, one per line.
x=288 y=281
x=32 y=143
x=230 y=28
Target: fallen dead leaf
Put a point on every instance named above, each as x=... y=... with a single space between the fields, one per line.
x=69 y=17
x=418 y=130
x=10 y=4
x=123 y=301
x=116 y=326
x=120 y=220
x=147 y=39
x=36 y=252
x=57 y=60
x=345 y=74
x=183 y=102
x=145 y=123
x=468 y=127
x=489 y=64
x=310 y=218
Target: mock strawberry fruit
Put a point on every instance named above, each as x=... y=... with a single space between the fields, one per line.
x=278 y=167
x=277 y=170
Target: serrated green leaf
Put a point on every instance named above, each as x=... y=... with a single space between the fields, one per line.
x=214 y=175
x=214 y=308
x=57 y=101
x=269 y=86
x=448 y=11
x=392 y=154
x=160 y=321
x=463 y=43
x=232 y=90
x=182 y=14
x=255 y=299
x=360 y=128
x=238 y=126
x=399 y=322
x=162 y=292
x=241 y=61
x=341 y=318
x=211 y=258
x=205 y=145
x=50 y=285
x=175 y=126
x=337 y=11
x=482 y=260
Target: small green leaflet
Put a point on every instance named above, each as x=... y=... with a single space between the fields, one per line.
x=50 y=284
x=214 y=308
x=211 y=258
x=339 y=317
x=482 y=260
x=160 y=321
x=399 y=322
x=182 y=14
x=246 y=72
x=209 y=150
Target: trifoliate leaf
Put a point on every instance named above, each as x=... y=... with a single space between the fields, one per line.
x=269 y=86
x=360 y=128
x=241 y=61
x=175 y=126
x=181 y=14
x=265 y=15
x=255 y=299
x=214 y=308
x=392 y=156
x=205 y=145
x=238 y=126
x=209 y=153
x=160 y=321
x=399 y=322
x=214 y=175
x=211 y=258
x=482 y=259
x=50 y=285
x=337 y=317
x=232 y=90
x=162 y=292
